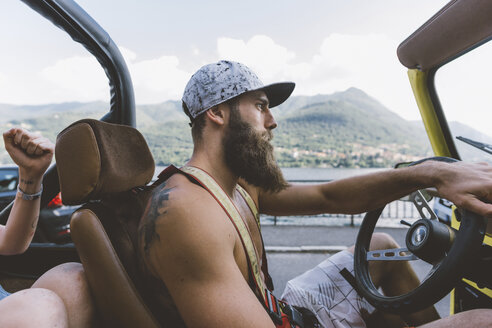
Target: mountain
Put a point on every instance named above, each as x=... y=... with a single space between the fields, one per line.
x=163 y=125
x=346 y=129
x=159 y=113
x=50 y=119
x=343 y=129
x=25 y=112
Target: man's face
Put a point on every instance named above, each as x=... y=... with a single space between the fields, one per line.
x=248 y=152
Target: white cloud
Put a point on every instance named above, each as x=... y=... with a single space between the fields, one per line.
x=81 y=78
x=127 y=54
x=195 y=51
x=464 y=89
x=70 y=79
x=75 y=79
x=157 y=80
x=3 y=80
x=266 y=57
x=368 y=62
x=364 y=61
x=154 y=80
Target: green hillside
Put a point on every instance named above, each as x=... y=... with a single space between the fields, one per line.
x=347 y=129
x=344 y=129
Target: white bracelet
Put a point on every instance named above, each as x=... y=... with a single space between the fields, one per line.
x=30 y=196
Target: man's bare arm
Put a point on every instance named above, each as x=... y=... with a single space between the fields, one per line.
x=465 y=184
x=192 y=250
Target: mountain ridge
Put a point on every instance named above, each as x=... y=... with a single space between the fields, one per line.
x=344 y=129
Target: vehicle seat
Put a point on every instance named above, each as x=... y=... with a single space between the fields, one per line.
x=101 y=165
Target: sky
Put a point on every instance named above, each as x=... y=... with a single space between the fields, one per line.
x=324 y=46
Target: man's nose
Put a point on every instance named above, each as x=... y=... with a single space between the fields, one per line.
x=270 y=122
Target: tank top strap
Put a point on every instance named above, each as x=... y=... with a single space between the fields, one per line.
x=251 y=204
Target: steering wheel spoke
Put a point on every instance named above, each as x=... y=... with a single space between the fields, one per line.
x=394 y=254
x=422 y=206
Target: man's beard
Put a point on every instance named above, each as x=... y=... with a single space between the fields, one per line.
x=249 y=155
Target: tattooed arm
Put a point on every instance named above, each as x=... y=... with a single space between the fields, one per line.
x=33 y=154
x=190 y=244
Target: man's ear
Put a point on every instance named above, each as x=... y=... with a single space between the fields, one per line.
x=216 y=114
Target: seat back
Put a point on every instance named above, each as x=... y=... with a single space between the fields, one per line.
x=101 y=165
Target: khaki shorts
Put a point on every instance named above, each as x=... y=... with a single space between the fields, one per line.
x=328 y=295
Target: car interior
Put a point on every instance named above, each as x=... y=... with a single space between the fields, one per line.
x=106 y=166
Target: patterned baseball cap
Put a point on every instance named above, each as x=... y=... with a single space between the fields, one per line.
x=216 y=83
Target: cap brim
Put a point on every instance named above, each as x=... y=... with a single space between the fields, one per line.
x=277 y=93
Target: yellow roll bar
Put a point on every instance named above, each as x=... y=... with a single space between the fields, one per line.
x=418 y=80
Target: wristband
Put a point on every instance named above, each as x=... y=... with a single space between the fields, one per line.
x=30 y=196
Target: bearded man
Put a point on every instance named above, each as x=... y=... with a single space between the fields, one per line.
x=200 y=236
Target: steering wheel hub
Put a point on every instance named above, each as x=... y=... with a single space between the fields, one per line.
x=430 y=240
x=418 y=235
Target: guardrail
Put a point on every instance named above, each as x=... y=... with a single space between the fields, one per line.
x=391 y=216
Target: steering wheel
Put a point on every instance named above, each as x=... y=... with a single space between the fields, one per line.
x=449 y=251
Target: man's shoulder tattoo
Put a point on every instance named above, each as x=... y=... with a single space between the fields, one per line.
x=156 y=208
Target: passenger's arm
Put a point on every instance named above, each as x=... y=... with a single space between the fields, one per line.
x=191 y=248
x=33 y=154
x=465 y=184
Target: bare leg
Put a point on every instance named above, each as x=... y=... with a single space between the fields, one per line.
x=473 y=318
x=33 y=308
x=68 y=281
x=396 y=278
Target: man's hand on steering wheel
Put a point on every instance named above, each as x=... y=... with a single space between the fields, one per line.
x=467 y=185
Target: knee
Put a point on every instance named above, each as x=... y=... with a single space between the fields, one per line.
x=45 y=297
x=67 y=274
x=49 y=307
x=382 y=240
x=68 y=281
x=72 y=271
x=74 y=278
x=38 y=305
x=472 y=318
x=70 y=268
x=480 y=317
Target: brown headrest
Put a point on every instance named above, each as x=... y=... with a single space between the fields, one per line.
x=95 y=158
